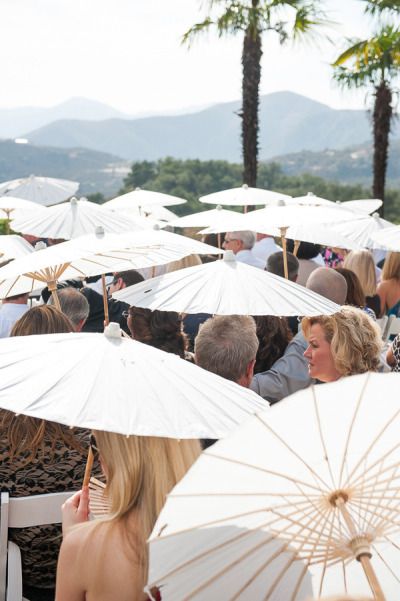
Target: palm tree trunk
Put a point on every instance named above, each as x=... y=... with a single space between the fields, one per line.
x=382 y=117
x=251 y=69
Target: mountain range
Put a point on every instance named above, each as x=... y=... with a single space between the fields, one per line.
x=289 y=123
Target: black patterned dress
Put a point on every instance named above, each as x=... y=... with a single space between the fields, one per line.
x=58 y=471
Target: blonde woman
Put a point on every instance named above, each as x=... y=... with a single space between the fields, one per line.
x=189 y=261
x=389 y=288
x=361 y=262
x=344 y=344
x=107 y=558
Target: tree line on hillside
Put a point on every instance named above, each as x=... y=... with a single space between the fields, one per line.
x=191 y=179
x=373 y=63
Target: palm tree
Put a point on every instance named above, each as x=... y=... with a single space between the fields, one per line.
x=374 y=63
x=290 y=19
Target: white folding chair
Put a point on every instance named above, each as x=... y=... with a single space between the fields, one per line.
x=23 y=512
x=382 y=323
x=393 y=326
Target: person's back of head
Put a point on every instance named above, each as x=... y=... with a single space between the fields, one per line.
x=161 y=329
x=227 y=345
x=43 y=319
x=274 y=335
x=355 y=295
x=129 y=277
x=275 y=265
x=306 y=250
x=391 y=267
x=188 y=261
x=362 y=263
x=328 y=283
x=140 y=472
x=74 y=305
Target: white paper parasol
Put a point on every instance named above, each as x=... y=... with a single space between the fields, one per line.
x=364 y=205
x=388 y=238
x=321 y=471
x=310 y=200
x=362 y=230
x=214 y=217
x=12 y=247
x=106 y=382
x=44 y=191
x=226 y=287
x=72 y=219
x=143 y=198
x=243 y=196
x=96 y=254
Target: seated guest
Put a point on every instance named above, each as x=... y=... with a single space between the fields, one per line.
x=355 y=295
x=108 y=558
x=274 y=335
x=12 y=308
x=362 y=263
x=393 y=354
x=74 y=305
x=227 y=345
x=290 y=373
x=389 y=288
x=309 y=258
x=264 y=247
x=42 y=319
x=275 y=265
x=116 y=308
x=39 y=457
x=343 y=344
x=241 y=243
x=161 y=329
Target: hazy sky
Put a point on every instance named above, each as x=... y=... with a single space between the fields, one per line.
x=127 y=53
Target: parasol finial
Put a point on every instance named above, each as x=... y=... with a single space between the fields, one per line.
x=112 y=330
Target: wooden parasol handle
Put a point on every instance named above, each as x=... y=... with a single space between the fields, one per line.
x=52 y=286
x=362 y=557
x=283 y=231
x=88 y=468
x=105 y=300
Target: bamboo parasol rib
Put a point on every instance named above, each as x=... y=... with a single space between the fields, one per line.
x=331 y=502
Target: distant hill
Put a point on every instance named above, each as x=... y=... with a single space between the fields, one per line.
x=14 y=122
x=289 y=123
x=96 y=171
x=349 y=165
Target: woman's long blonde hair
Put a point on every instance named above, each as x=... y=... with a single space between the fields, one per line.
x=391 y=267
x=189 y=261
x=354 y=337
x=362 y=263
x=140 y=472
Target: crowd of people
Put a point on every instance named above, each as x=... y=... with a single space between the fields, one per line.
x=108 y=558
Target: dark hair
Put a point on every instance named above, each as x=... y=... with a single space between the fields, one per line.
x=275 y=265
x=274 y=335
x=162 y=329
x=43 y=319
x=306 y=250
x=355 y=294
x=129 y=277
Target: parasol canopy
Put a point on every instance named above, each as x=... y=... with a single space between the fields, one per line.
x=44 y=191
x=320 y=472
x=143 y=198
x=72 y=219
x=361 y=230
x=226 y=287
x=106 y=382
x=13 y=247
x=214 y=217
x=243 y=196
x=388 y=238
x=364 y=205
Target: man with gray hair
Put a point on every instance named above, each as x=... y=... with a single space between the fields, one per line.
x=290 y=373
x=74 y=305
x=227 y=345
x=241 y=243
